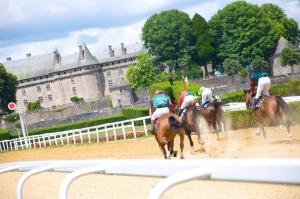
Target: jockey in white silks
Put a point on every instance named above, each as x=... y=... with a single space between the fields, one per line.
x=206 y=95
x=263 y=87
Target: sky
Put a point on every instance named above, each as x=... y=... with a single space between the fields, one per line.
x=40 y=26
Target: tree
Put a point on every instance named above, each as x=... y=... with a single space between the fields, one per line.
x=259 y=64
x=232 y=67
x=283 y=26
x=289 y=57
x=203 y=47
x=242 y=29
x=8 y=89
x=143 y=74
x=169 y=37
x=77 y=100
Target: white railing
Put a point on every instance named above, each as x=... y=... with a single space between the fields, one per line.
x=285 y=171
x=100 y=132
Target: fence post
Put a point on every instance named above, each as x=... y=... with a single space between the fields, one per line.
x=11 y=148
x=49 y=140
x=145 y=127
x=6 y=146
x=74 y=139
x=115 y=134
x=97 y=134
x=55 y=138
x=1 y=146
x=44 y=141
x=133 y=129
x=81 y=137
x=106 y=134
x=123 y=131
x=67 y=135
x=61 y=139
x=33 y=139
x=88 y=132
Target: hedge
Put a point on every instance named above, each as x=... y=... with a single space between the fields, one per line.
x=130 y=113
x=243 y=118
x=4 y=134
x=290 y=88
x=177 y=88
x=11 y=118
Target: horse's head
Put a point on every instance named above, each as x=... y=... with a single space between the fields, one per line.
x=247 y=98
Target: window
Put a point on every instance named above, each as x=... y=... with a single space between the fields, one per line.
x=72 y=80
x=110 y=82
x=50 y=98
x=108 y=73
x=23 y=92
x=120 y=71
x=38 y=89
x=74 y=91
x=41 y=99
x=48 y=87
x=25 y=102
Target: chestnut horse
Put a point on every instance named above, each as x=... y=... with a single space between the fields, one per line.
x=272 y=109
x=168 y=126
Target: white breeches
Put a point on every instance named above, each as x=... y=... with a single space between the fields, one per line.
x=263 y=87
x=158 y=112
x=188 y=100
x=206 y=95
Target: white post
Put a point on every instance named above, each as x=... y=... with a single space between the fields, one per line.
x=115 y=134
x=61 y=139
x=33 y=139
x=44 y=141
x=97 y=134
x=88 y=132
x=49 y=140
x=145 y=127
x=1 y=146
x=11 y=147
x=133 y=129
x=6 y=146
x=123 y=131
x=81 y=137
x=74 y=139
x=55 y=139
x=22 y=122
x=67 y=135
x=40 y=145
x=106 y=134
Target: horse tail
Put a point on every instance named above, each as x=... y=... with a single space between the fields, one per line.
x=282 y=105
x=174 y=123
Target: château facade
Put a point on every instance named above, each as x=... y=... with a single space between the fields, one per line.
x=53 y=79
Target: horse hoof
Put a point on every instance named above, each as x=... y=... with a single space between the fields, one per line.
x=175 y=154
x=181 y=157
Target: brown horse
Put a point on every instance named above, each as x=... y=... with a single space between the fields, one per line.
x=214 y=116
x=190 y=122
x=272 y=109
x=168 y=126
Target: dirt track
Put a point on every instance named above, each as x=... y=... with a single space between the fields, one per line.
x=243 y=144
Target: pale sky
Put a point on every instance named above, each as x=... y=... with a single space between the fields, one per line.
x=40 y=26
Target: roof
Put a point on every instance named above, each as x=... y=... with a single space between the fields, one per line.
x=44 y=64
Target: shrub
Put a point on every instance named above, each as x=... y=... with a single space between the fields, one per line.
x=12 y=118
x=4 y=134
x=135 y=112
x=77 y=100
x=33 y=106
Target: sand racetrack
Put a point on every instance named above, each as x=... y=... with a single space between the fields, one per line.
x=242 y=144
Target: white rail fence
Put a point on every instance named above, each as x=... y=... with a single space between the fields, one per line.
x=285 y=171
x=103 y=132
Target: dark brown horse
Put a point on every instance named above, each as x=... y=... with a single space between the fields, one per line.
x=214 y=116
x=168 y=126
x=272 y=109
x=190 y=122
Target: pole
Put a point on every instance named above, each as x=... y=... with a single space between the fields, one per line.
x=23 y=128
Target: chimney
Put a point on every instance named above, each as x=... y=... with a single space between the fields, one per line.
x=81 y=53
x=8 y=59
x=28 y=55
x=111 y=51
x=57 y=57
x=123 y=49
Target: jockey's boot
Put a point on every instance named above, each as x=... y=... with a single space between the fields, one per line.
x=153 y=128
x=254 y=104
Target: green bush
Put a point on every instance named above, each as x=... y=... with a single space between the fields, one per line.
x=33 y=106
x=135 y=112
x=177 y=88
x=77 y=100
x=290 y=88
x=12 y=118
x=4 y=134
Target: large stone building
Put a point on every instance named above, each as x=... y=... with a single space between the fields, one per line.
x=53 y=79
x=277 y=68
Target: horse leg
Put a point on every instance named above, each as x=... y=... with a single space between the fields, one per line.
x=188 y=134
x=161 y=147
x=181 y=134
x=285 y=120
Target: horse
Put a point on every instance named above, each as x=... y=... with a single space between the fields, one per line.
x=190 y=123
x=272 y=109
x=168 y=126
x=214 y=116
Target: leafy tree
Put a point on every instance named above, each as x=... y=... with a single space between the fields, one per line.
x=169 y=37
x=232 y=67
x=34 y=106
x=8 y=89
x=283 y=26
x=242 y=29
x=203 y=47
x=244 y=72
x=259 y=64
x=143 y=74
x=289 y=57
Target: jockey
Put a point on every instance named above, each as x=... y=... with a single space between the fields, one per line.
x=263 y=83
x=206 y=94
x=186 y=99
x=159 y=105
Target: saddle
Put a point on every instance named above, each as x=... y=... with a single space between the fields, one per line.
x=258 y=102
